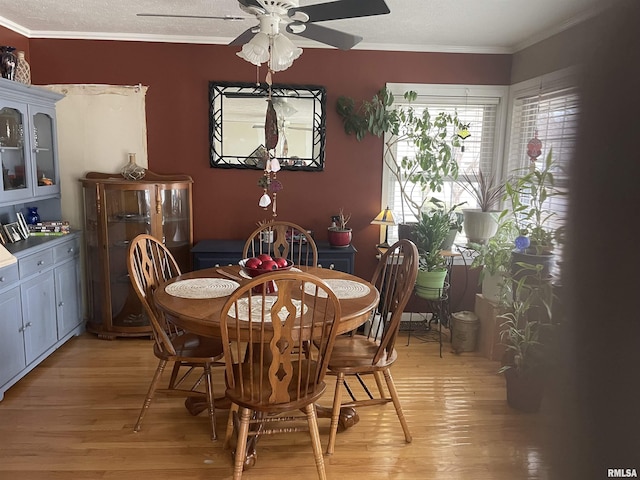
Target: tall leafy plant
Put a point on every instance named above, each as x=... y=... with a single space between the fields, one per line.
x=433 y=139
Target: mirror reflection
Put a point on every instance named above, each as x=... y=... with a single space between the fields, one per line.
x=236 y=124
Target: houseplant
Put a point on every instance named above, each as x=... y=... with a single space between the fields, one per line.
x=529 y=196
x=494 y=257
x=430 y=232
x=528 y=341
x=481 y=223
x=339 y=235
x=433 y=137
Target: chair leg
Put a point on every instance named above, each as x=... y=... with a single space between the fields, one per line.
x=150 y=393
x=230 y=422
x=210 y=400
x=241 y=445
x=396 y=403
x=376 y=375
x=312 y=419
x=335 y=413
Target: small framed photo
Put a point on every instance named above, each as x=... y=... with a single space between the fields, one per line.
x=3 y=240
x=12 y=231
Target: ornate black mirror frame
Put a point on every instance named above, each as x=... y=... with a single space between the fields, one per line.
x=236 y=125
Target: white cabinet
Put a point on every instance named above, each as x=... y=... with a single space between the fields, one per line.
x=39 y=303
x=28 y=143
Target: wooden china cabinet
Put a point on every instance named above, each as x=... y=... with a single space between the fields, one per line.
x=116 y=211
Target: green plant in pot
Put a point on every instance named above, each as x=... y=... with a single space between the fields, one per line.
x=431 y=231
x=339 y=235
x=480 y=224
x=529 y=196
x=529 y=353
x=494 y=258
x=433 y=138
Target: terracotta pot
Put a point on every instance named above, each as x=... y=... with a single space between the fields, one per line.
x=339 y=238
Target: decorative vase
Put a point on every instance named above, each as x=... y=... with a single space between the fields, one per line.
x=8 y=62
x=23 y=70
x=33 y=216
x=133 y=171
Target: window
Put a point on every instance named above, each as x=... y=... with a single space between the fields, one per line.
x=548 y=106
x=483 y=109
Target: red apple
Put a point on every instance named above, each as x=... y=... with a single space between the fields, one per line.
x=265 y=257
x=253 y=262
x=269 y=265
x=281 y=262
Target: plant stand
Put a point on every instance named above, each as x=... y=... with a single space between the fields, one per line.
x=440 y=314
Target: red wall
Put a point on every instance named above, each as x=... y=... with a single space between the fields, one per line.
x=225 y=201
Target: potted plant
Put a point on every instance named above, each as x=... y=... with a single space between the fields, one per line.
x=456 y=220
x=431 y=231
x=494 y=258
x=529 y=197
x=481 y=223
x=528 y=341
x=339 y=234
x=433 y=137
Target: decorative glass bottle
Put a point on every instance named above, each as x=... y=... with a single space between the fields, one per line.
x=33 y=216
x=23 y=70
x=133 y=171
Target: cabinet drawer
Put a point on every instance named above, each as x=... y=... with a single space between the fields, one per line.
x=67 y=250
x=35 y=263
x=8 y=275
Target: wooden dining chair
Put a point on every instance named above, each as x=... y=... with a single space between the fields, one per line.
x=269 y=375
x=150 y=263
x=373 y=353
x=282 y=239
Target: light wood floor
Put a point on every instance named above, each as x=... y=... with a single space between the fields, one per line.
x=73 y=416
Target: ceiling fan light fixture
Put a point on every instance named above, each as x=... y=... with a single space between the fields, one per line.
x=283 y=53
x=256 y=50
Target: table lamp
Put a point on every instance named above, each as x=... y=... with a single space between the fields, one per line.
x=385 y=218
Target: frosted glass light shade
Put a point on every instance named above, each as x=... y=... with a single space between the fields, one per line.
x=283 y=53
x=256 y=50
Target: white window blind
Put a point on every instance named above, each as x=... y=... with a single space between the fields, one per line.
x=553 y=114
x=484 y=114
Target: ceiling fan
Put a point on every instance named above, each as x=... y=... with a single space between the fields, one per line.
x=299 y=20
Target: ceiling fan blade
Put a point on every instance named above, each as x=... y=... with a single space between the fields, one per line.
x=226 y=17
x=244 y=37
x=249 y=3
x=339 y=9
x=329 y=36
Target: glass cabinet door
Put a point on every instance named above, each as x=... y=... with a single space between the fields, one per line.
x=176 y=223
x=128 y=214
x=15 y=173
x=43 y=147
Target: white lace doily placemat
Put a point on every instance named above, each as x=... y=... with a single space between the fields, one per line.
x=344 y=289
x=246 y=275
x=202 y=288
x=256 y=309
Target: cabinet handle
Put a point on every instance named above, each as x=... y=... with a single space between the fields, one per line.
x=21 y=330
x=2 y=279
x=70 y=250
x=61 y=304
x=28 y=324
x=41 y=262
x=332 y=267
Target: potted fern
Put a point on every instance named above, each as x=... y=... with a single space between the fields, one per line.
x=339 y=235
x=431 y=231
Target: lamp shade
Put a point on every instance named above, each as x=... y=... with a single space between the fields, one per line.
x=385 y=217
x=256 y=50
x=283 y=53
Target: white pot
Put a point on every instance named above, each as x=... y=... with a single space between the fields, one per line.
x=491 y=286
x=479 y=226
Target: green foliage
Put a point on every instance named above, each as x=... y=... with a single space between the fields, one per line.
x=433 y=137
x=484 y=188
x=431 y=230
x=494 y=256
x=529 y=195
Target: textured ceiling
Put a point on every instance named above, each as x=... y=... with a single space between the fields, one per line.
x=481 y=26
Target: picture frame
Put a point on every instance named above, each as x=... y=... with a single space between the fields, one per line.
x=12 y=231
x=23 y=227
x=3 y=240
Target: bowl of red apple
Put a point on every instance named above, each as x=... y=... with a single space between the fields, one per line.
x=264 y=263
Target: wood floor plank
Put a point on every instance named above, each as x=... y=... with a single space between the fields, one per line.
x=72 y=418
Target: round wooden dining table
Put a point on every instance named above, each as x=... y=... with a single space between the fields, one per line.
x=200 y=314
x=198 y=311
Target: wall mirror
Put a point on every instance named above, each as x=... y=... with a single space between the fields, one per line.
x=236 y=125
